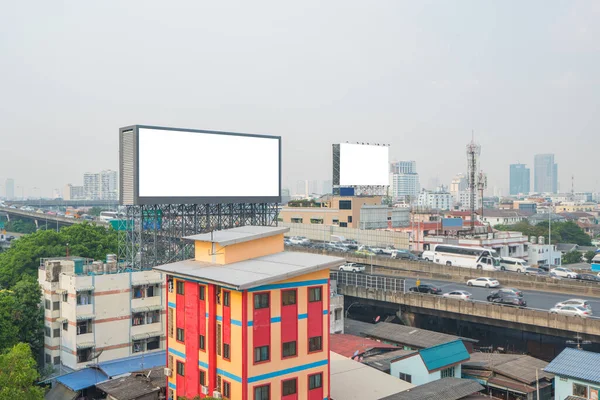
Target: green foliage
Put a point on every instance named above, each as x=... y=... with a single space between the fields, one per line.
x=18 y=374
x=95 y=211
x=22 y=259
x=20 y=226
x=21 y=316
x=589 y=255
x=562 y=232
x=8 y=329
x=571 y=257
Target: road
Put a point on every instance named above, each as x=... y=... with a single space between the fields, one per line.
x=534 y=299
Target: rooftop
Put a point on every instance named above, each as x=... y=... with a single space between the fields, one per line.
x=253 y=273
x=351 y=345
x=238 y=235
x=519 y=367
x=135 y=385
x=382 y=361
x=351 y=380
x=401 y=334
x=578 y=364
x=444 y=355
x=447 y=389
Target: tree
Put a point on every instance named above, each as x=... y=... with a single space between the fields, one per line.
x=20 y=226
x=9 y=331
x=589 y=255
x=571 y=257
x=18 y=374
x=28 y=314
x=95 y=211
x=562 y=232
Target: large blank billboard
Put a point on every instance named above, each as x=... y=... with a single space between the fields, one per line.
x=362 y=165
x=184 y=166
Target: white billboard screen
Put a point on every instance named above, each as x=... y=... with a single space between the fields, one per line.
x=364 y=165
x=182 y=164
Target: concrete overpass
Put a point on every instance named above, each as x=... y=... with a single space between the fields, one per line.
x=40 y=219
x=46 y=203
x=391 y=292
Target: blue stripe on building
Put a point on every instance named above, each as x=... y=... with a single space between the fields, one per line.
x=288 y=285
x=229 y=375
x=172 y=386
x=172 y=305
x=287 y=371
x=177 y=353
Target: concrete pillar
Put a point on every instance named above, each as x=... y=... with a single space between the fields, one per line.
x=36 y=223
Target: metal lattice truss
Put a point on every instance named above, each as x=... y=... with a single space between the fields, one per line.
x=151 y=235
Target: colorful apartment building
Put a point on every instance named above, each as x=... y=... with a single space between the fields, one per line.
x=247 y=320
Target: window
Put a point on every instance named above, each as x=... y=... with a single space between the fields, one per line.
x=152 y=290
x=261 y=300
x=289 y=387
x=315 y=381
x=202 y=292
x=84 y=355
x=153 y=343
x=137 y=319
x=138 y=346
x=57 y=360
x=180 y=368
x=580 y=390
x=343 y=224
x=405 y=377
x=47 y=331
x=47 y=304
x=262 y=392
x=314 y=294
x=226 y=296
x=349 y=218
x=288 y=297
x=296 y=220
x=315 y=344
x=335 y=221
x=316 y=220
x=66 y=326
x=84 y=327
x=84 y=297
x=170 y=284
x=153 y=317
x=261 y=354
x=65 y=297
x=202 y=343
x=48 y=358
x=202 y=378
x=226 y=389
x=56 y=333
x=180 y=287
x=171 y=322
x=226 y=351
x=448 y=372
x=345 y=204
x=289 y=349
x=180 y=336
x=138 y=292
x=218 y=339
x=170 y=363
x=218 y=383
x=338 y=315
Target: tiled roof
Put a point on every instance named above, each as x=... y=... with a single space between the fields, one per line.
x=446 y=389
x=515 y=366
x=443 y=355
x=349 y=345
x=578 y=364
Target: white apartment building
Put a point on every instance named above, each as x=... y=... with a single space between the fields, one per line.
x=101 y=186
x=543 y=254
x=94 y=312
x=71 y=192
x=439 y=200
x=404 y=180
x=464 y=199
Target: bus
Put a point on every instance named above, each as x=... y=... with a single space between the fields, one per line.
x=466 y=256
x=107 y=216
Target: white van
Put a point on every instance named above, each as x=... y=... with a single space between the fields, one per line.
x=513 y=264
x=428 y=255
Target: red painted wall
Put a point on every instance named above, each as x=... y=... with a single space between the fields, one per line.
x=316 y=394
x=315 y=318
x=180 y=323
x=227 y=322
x=211 y=342
x=289 y=323
x=261 y=325
x=191 y=339
x=202 y=315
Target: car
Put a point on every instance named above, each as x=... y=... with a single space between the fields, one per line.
x=337 y=246
x=427 y=255
x=513 y=264
x=508 y=300
x=365 y=251
x=483 y=282
x=511 y=291
x=321 y=246
x=573 y=311
x=500 y=293
x=574 y=302
x=389 y=250
x=535 y=271
x=286 y=242
x=564 y=273
x=589 y=278
x=459 y=294
x=426 y=288
x=404 y=255
x=352 y=267
x=350 y=244
x=299 y=240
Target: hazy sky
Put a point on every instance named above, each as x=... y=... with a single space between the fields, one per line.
x=420 y=75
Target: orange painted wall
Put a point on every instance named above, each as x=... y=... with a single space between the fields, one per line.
x=238 y=252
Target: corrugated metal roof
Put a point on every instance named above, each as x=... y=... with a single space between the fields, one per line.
x=136 y=385
x=520 y=367
x=382 y=361
x=146 y=335
x=85 y=345
x=254 y=272
x=578 y=364
x=82 y=379
x=147 y=308
x=60 y=392
x=349 y=345
x=81 y=317
x=84 y=288
x=447 y=389
x=134 y=363
x=445 y=354
x=239 y=235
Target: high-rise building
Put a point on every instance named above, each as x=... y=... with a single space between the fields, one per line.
x=71 y=192
x=545 y=174
x=246 y=335
x=91 y=185
x=101 y=186
x=439 y=199
x=459 y=185
x=404 y=180
x=10 y=189
x=519 y=179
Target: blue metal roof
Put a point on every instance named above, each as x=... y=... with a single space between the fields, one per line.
x=578 y=364
x=444 y=354
x=135 y=363
x=82 y=379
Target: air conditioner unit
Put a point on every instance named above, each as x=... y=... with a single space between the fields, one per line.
x=217 y=395
x=168 y=372
x=204 y=389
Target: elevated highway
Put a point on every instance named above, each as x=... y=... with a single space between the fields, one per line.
x=42 y=219
x=45 y=203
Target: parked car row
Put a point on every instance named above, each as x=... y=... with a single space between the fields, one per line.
x=573 y=307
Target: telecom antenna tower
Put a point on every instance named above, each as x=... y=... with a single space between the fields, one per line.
x=473 y=152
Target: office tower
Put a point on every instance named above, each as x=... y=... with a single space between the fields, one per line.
x=404 y=180
x=519 y=179
x=545 y=174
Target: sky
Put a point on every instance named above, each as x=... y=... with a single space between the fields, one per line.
x=423 y=76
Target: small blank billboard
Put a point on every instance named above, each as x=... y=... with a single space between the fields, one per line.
x=183 y=166
x=450 y=223
x=361 y=165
